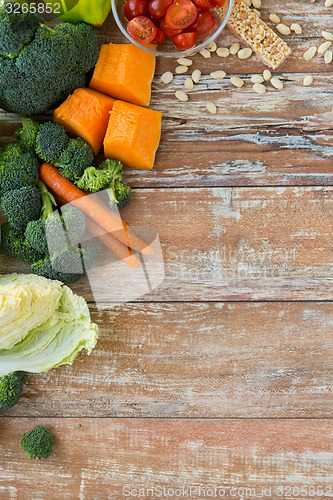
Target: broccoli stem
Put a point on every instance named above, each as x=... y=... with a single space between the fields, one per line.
x=48 y=201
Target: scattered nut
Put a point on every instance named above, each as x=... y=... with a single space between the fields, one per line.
x=205 y=53
x=189 y=84
x=222 y=52
x=244 y=53
x=283 y=29
x=297 y=28
x=259 y=88
x=236 y=81
x=276 y=82
x=328 y=56
x=183 y=61
x=267 y=75
x=257 y=79
x=274 y=19
x=310 y=53
x=218 y=75
x=327 y=35
x=181 y=95
x=308 y=80
x=211 y=47
x=181 y=69
x=234 y=48
x=196 y=75
x=328 y=3
x=323 y=47
x=211 y=107
x=167 y=77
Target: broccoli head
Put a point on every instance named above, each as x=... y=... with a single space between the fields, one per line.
x=94 y=179
x=113 y=166
x=17 y=168
x=51 y=140
x=65 y=229
x=14 y=244
x=38 y=443
x=35 y=235
x=74 y=159
x=11 y=386
x=21 y=206
x=69 y=266
x=26 y=136
x=16 y=30
x=87 y=49
x=120 y=193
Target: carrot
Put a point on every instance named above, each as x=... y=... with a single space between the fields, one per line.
x=98 y=212
x=118 y=248
x=85 y=114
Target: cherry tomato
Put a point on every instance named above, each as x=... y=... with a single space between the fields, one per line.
x=157 y=8
x=220 y=3
x=205 y=23
x=134 y=8
x=204 y=4
x=159 y=37
x=142 y=29
x=185 y=40
x=181 y=14
x=168 y=33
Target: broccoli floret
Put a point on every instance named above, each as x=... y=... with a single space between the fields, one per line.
x=17 y=168
x=51 y=140
x=113 y=166
x=74 y=159
x=68 y=267
x=94 y=179
x=26 y=136
x=65 y=229
x=21 y=206
x=11 y=386
x=16 y=30
x=38 y=443
x=120 y=192
x=48 y=54
x=14 y=244
x=86 y=45
x=36 y=236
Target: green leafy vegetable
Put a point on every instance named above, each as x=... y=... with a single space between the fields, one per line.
x=38 y=443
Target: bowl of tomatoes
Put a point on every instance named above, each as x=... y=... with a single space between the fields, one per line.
x=177 y=27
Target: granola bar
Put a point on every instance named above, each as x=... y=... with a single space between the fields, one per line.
x=252 y=31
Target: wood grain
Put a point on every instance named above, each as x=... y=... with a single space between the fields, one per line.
x=235 y=243
x=105 y=458
x=196 y=360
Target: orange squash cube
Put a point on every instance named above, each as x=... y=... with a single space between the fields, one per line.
x=86 y=114
x=133 y=135
x=125 y=72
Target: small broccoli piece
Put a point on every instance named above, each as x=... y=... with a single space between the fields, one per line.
x=94 y=179
x=14 y=244
x=26 y=136
x=51 y=140
x=65 y=229
x=74 y=159
x=49 y=53
x=120 y=193
x=21 y=206
x=113 y=166
x=69 y=266
x=36 y=236
x=17 y=169
x=11 y=386
x=16 y=31
x=38 y=443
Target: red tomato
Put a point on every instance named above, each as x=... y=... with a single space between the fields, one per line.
x=204 y=4
x=181 y=15
x=159 y=37
x=205 y=23
x=142 y=29
x=157 y=8
x=134 y=8
x=220 y=3
x=185 y=40
x=168 y=33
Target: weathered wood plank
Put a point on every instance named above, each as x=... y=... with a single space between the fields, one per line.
x=236 y=243
x=196 y=360
x=108 y=459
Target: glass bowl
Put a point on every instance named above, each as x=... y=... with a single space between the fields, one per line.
x=167 y=48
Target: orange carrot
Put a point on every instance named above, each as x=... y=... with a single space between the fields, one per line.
x=98 y=212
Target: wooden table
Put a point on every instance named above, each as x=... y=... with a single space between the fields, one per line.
x=222 y=376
